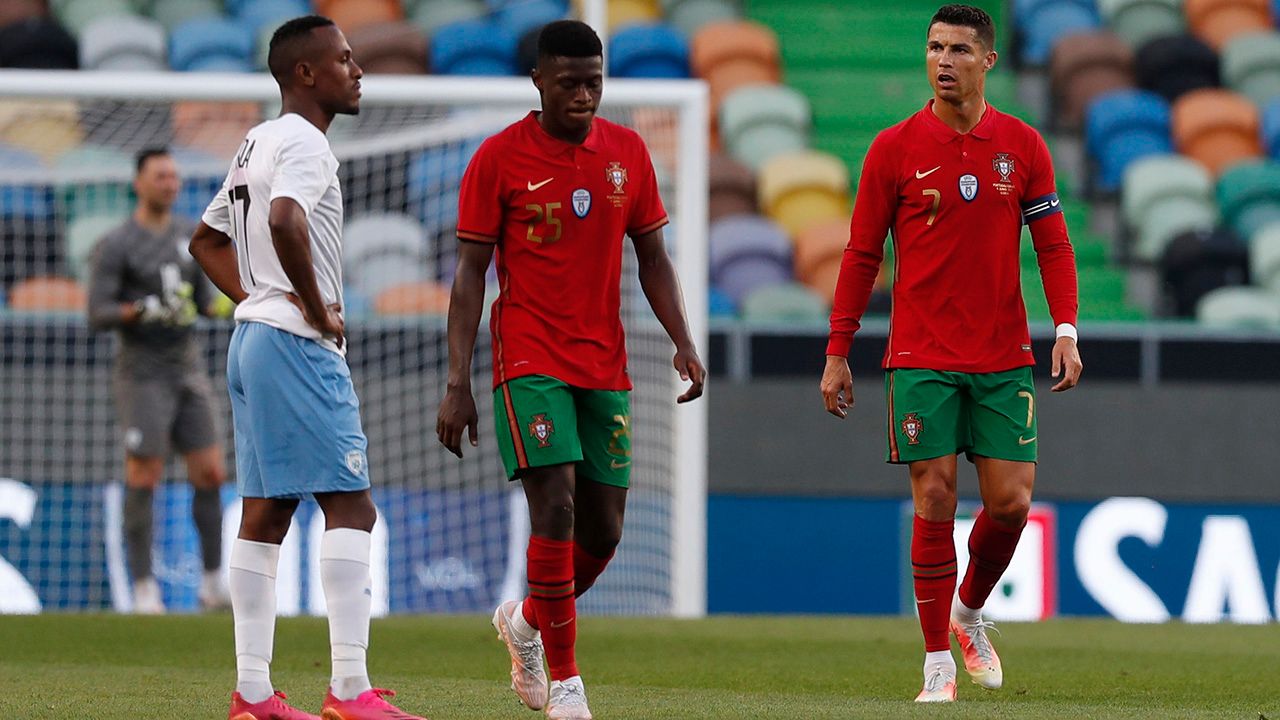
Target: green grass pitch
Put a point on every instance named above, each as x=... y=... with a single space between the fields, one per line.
x=104 y=667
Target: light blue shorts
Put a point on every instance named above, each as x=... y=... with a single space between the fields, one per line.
x=297 y=418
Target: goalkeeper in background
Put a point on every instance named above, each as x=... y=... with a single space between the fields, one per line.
x=145 y=285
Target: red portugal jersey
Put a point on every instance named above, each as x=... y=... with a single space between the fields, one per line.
x=955 y=206
x=557 y=213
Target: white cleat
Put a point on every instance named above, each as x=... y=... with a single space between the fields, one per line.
x=214 y=594
x=568 y=700
x=980 y=658
x=146 y=597
x=528 y=677
x=939 y=686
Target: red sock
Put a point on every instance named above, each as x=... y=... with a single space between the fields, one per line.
x=552 y=600
x=991 y=547
x=933 y=569
x=586 y=568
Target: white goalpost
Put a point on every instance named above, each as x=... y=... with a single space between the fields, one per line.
x=454 y=541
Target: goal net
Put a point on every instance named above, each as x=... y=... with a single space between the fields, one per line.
x=452 y=533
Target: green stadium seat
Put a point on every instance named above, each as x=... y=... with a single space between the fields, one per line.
x=1156 y=179
x=1249 y=196
x=172 y=13
x=1251 y=66
x=1159 y=228
x=432 y=14
x=83 y=235
x=789 y=303
x=758 y=122
x=1264 y=257
x=123 y=42
x=689 y=16
x=76 y=15
x=1240 y=307
x=1138 y=21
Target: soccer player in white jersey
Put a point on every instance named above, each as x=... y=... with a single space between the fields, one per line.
x=271 y=240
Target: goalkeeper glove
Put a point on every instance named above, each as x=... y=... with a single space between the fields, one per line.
x=151 y=309
x=182 y=306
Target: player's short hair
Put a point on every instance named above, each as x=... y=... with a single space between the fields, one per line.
x=145 y=154
x=970 y=17
x=288 y=43
x=569 y=38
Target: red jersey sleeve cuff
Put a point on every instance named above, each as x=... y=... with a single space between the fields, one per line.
x=477 y=237
x=648 y=228
x=839 y=345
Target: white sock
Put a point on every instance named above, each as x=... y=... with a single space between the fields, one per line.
x=939 y=660
x=965 y=614
x=520 y=626
x=252 y=584
x=344 y=573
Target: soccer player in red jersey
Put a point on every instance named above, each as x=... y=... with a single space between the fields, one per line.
x=954 y=183
x=554 y=194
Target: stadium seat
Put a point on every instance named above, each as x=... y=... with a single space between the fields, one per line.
x=804 y=188
x=77 y=15
x=746 y=252
x=1217 y=128
x=172 y=13
x=1264 y=258
x=732 y=188
x=1155 y=181
x=1174 y=65
x=1200 y=261
x=720 y=305
x=819 y=250
x=1083 y=66
x=649 y=51
x=381 y=234
x=1217 y=22
x=1138 y=21
x=267 y=15
x=1158 y=230
x=351 y=15
x=1045 y=22
x=521 y=17
x=1249 y=196
x=690 y=16
x=432 y=15
x=1251 y=66
x=238 y=8
x=83 y=235
x=1271 y=128
x=392 y=48
x=730 y=55
x=1122 y=126
x=632 y=12
x=416 y=298
x=125 y=42
x=47 y=294
x=22 y=201
x=758 y=122
x=37 y=43
x=784 y=303
x=207 y=44
x=46 y=127
x=1239 y=307
x=473 y=48
x=213 y=127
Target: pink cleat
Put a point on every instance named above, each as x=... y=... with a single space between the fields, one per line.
x=273 y=708
x=369 y=705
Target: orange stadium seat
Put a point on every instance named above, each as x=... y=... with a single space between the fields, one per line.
x=730 y=55
x=1083 y=66
x=415 y=298
x=398 y=48
x=48 y=294
x=732 y=188
x=351 y=15
x=1217 y=128
x=818 y=251
x=1218 y=21
x=217 y=128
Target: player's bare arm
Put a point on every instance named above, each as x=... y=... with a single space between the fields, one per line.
x=662 y=289
x=216 y=255
x=466 y=305
x=292 y=242
x=837 y=386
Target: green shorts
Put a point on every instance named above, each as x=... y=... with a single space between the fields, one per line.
x=934 y=413
x=542 y=421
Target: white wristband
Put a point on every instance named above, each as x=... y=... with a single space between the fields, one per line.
x=1067 y=330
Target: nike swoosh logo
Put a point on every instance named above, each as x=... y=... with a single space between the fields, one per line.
x=926 y=600
x=1028 y=441
x=617 y=465
x=533 y=187
x=560 y=625
x=1054 y=203
x=927 y=173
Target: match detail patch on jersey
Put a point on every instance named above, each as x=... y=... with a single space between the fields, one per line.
x=1040 y=207
x=581 y=202
x=969 y=187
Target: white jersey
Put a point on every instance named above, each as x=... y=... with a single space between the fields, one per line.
x=285 y=157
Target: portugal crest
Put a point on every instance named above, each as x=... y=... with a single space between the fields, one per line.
x=541 y=429
x=912 y=426
x=616 y=175
x=1003 y=164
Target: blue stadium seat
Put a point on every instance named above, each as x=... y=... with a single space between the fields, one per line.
x=22 y=200
x=1123 y=126
x=649 y=51
x=238 y=8
x=747 y=252
x=1271 y=127
x=473 y=47
x=207 y=43
x=195 y=193
x=521 y=17
x=260 y=15
x=1047 y=21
